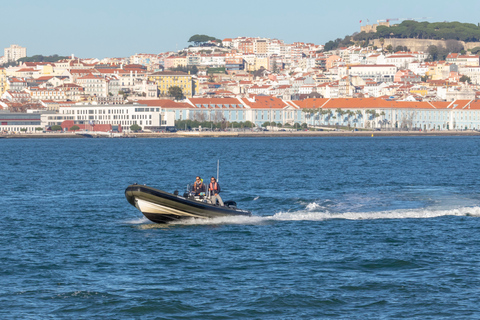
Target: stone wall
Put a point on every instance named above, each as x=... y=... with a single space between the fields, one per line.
x=420 y=44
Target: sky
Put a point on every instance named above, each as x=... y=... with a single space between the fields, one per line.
x=120 y=28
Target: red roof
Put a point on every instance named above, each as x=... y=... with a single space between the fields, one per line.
x=266 y=102
x=163 y=103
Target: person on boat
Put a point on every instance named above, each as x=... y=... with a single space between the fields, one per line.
x=198 y=186
x=214 y=190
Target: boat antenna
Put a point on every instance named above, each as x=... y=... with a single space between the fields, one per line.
x=218 y=168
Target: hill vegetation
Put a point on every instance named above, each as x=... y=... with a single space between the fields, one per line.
x=40 y=58
x=202 y=39
x=467 y=32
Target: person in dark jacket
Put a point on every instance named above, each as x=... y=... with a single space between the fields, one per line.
x=198 y=186
x=213 y=191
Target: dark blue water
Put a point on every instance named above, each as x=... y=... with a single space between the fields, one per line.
x=348 y=228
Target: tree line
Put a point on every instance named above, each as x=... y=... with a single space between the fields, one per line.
x=467 y=32
x=459 y=31
x=218 y=125
x=40 y=58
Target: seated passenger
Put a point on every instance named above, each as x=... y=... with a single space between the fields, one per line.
x=213 y=191
x=198 y=186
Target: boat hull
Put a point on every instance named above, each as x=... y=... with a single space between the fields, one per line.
x=163 y=207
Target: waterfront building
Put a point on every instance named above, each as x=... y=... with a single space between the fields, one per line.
x=19 y=122
x=391 y=115
x=118 y=115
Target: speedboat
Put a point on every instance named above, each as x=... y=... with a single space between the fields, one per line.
x=163 y=207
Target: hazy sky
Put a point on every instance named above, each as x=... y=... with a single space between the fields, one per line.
x=105 y=28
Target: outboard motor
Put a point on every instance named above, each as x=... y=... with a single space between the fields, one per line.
x=230 y=204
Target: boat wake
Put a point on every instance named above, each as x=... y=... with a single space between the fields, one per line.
x=311 y=213
x=423 y=213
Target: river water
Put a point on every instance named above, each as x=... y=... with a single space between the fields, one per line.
x=342 y=228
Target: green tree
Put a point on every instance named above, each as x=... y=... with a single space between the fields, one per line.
x=176 y=92
x=382 y=42
x=56 y=128
x=38 y=129
x=433 y=53
x=465 y=78
x=186 y=69
x=274 y=66
x=330 y=45
x=248 y=124
x=475 y=50
x=74 y=128
x=135 y=127
x=200 y=39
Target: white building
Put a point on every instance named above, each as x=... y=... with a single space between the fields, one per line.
x=379 y=72
x=14 y=52
x=401 y=61
x=150 y=118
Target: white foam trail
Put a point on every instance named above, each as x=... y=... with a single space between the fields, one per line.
x=223 y=220
x=308 y=215
x=256 y=198
x=313 y=206
x=392 y=214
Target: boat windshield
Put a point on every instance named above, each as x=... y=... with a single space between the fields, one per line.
x=202 y=194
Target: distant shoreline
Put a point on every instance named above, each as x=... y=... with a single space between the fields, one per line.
x=265 y=134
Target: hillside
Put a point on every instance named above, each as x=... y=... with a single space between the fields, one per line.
x=467 y=32
x=413 y=30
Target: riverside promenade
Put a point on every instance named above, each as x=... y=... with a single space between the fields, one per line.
x=249 y=134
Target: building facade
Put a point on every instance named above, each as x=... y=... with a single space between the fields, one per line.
x=167 y=79
x=14 y=52
x=149 y=118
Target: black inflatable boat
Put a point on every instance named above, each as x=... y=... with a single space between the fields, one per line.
x=162 y=207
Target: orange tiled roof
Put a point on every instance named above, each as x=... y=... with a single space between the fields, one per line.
x=163 y=103
x=266 y=102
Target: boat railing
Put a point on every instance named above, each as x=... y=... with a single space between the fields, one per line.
x=202 y=197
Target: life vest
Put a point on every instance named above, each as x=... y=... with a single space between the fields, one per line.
x=198 y=185
x=212 y=188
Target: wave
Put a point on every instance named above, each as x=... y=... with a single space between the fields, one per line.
x=311 y=215
x=139 y=220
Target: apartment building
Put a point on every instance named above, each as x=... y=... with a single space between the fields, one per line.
x=166 y=79
x=14 y=52
x=377 y=72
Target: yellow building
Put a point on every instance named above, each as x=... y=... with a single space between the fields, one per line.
x=180 y=61
x=422 y=91
x=3 y=81
x=261 y=62
x=47 y=69
x=166 y=79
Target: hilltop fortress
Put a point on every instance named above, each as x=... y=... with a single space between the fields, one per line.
x=412 y=43
x=420 y=44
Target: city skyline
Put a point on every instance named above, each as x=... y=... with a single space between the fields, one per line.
x=113 y=29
